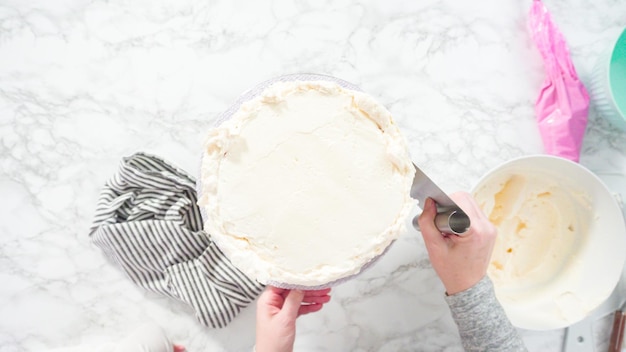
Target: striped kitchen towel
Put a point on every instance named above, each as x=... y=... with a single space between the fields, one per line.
x=147 y=221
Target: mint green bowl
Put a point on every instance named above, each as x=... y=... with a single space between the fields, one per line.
x=608 y=84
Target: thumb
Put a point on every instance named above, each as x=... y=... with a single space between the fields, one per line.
x=292 y=303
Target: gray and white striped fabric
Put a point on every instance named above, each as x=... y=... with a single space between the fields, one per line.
x=147 y=222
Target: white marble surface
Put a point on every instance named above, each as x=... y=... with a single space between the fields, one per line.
x=83 y=83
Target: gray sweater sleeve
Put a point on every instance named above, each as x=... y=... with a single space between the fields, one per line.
x=482 y=323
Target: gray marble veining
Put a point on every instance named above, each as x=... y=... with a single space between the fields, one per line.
x=84 y=83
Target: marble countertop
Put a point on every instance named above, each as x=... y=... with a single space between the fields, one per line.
x=84 y=83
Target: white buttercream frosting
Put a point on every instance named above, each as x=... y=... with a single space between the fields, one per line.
x=542 y=224
x=305 y=183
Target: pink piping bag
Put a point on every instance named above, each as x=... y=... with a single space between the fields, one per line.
x=563 y=102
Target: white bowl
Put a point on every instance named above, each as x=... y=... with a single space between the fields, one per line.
x=542 y=279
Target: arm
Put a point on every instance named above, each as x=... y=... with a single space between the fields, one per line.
x=482 y=323
x=461 y=263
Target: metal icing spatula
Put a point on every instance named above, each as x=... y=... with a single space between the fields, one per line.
x=450 y=218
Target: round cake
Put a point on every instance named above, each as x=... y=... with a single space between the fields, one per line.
x=306 y=183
